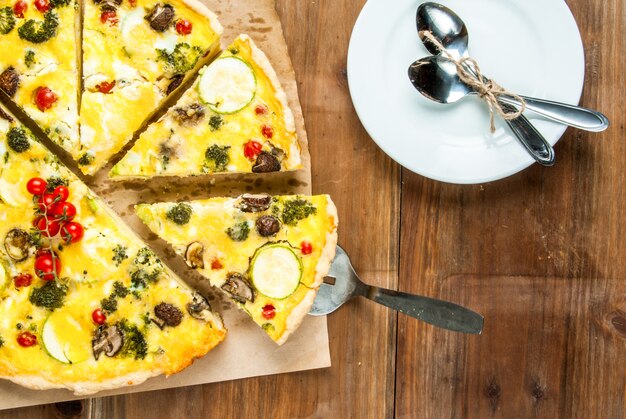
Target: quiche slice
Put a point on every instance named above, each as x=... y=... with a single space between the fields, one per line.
x=269 y=254
x=84 y=304
x=235 y=118
x=135 y=54
x=40 y=45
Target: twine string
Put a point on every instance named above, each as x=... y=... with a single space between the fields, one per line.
x=488 y=90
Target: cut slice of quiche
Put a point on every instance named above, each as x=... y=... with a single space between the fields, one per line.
x=84 y=304
x=269 y=254
x=40 y=45
x=136 y=52
x=235 y=118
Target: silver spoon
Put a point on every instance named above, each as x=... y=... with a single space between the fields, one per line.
x=448 y=28
x=436 y=77
x=348 y=285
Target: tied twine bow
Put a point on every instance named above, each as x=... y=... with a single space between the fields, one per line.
x=488 y=90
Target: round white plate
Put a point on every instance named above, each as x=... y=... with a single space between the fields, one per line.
x=531 y=47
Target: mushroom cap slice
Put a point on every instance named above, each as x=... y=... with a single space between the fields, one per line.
x=17 y=244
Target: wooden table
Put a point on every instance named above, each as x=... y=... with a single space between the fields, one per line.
x=542 y=255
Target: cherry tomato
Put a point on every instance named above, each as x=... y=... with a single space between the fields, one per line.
x=252 y=149
x=268 y=312
x=72 y=232
x=23 y=280
x=133 y=3
x=260 y=109
x=183 y=26
x=65 y=211
x=98 y=316
x=26 y=339
x=36 y=186
x=109 y=16
x=216 y=264
x=42 y=5
x=267 y=131
x=45 y=98
x=43 y=251
x=46 y=202
x=20 y=8
x=105 y=87
x=49 y=228
x=46 y=267
x=306 y=247
x=61 y=193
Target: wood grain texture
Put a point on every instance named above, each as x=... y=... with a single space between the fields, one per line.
x=546 y=252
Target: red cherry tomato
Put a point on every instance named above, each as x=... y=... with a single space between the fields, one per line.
x=183 y=26
x=26 y=339
x=133 y=3
x=216 y=264
x=65 y=211
x=109 y=16
x=46 y=202
x=306 y=247
x=252 y=149
x=45 y=98
x=61 y=193
x=36 y=186
x=46 y=267
x=23 y=280
x=267 y=131
x=42 y=5
x=43 y=251
x=49 y=228
x=268 y=312
x=20 y=8
x=105 y=87
x=98 y=316
x=72 y=232
x=260 y=109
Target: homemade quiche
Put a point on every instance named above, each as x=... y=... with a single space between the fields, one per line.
x=84 y=304
x=235 y=118
x=269 y=254
x=135 y=53
x=39 y=40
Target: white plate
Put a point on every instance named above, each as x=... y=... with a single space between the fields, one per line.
x=530 y=47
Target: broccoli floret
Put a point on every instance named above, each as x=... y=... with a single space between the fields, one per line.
x=18 y=139
x=217 y=158
x=145 y=256
x=135 y=344
x=60 y=3
x=37 y=31
x=29 y=58
x=109 y=304
x=7 y=20
x=54 y=181
x=141 y=278
x=86 y=159
x=297 y=209
x=51 y=295
x=239 y=232
x=119 y=254
x=216 y=122
x=119 y=290
x=180 y=213
x=182 y=59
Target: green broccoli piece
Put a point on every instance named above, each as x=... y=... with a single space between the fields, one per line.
x=216 y=122
x=119 y=290
x=135 y=345
x=297 y=209
x=60 y=3
x=180 y=213
x=182 y=59
x=37 y=31
x=86 y=159
x=7 y=20
x=18 y=139
x=217 y=158
x=29 y=58
x=145 y=256
x=54 y=181
x=109 y=304
x=119 y=254
x=239 y=232
x=141 y=278
x=51 y=295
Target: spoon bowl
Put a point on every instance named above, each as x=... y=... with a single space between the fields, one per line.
x=445 y=25
x=437 y=78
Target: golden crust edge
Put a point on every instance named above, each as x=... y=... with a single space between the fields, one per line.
x=206 y=12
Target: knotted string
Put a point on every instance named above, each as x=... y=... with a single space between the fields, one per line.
x=488 y=90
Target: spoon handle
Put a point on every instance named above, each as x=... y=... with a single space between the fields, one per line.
x=574 y=116
x=531 y=139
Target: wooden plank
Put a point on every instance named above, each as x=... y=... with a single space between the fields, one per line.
x=552 y=347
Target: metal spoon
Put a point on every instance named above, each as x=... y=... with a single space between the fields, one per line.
x=348 y=285
x=448 y=28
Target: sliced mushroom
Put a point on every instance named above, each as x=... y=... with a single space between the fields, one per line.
x=265 y=163
x=267 y=225
x=5 y=115
x=17 y=244
x=238 y=288
x=108 y=340
x=277 y=152
x=169 y=315
x=108 y=5
x=9 y=81
x=254 y=202
x=194 y=256
x=161 y=17
x=189 y=115
x=174 y=83
x=199 y=308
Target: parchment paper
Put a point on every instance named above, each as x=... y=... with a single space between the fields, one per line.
x=247 y=351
